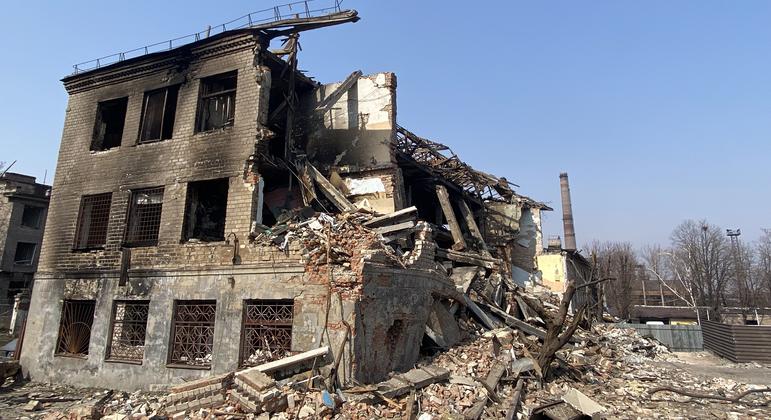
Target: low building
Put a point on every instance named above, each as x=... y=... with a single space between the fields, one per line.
x=214 y=207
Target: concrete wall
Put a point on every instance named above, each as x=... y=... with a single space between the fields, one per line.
x=553 y=271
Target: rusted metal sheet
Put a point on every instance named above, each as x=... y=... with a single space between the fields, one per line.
x=738 y=343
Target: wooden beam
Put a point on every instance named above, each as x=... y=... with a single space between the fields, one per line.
x=449 y=214
x=519 y=324
x=468 y=216
x=488 y=322
x=390 y=216
x=333 y=194
x=288 y=361
x=333 y=97
x=394 y=228
x=466 y=258
x=513 y=404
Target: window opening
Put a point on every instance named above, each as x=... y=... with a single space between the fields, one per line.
x=75 y=328
x=108 y=129
x=205 y=211
x=25 y=253
x=144 y=219
x=93 y=218
x=128 y=330
x=32 y=216
x=158 y=113
x=216 y=107
x=266 y=331
x=193 y=333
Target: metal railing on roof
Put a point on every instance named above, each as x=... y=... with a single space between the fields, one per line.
x=291 y=10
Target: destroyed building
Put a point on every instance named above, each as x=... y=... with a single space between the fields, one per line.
x=23 y=207
x=214 y=208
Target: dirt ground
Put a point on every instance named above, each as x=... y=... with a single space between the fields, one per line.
x=706 y=365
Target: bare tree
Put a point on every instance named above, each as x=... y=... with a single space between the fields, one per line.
x=762 y=268
x=701 y=255
x=619 y=261
x=673 y=273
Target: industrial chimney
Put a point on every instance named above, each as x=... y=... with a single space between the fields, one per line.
x=567 y=213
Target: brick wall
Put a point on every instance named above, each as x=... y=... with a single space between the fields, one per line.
x=172 y=163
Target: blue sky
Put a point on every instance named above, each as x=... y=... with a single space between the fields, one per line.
x=659 y=110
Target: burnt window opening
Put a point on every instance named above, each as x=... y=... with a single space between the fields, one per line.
x=266 y=330
x=108 y=129
x=93 y=218
x=25 y=253
x=128 y=330
x=192 y=333
x=205 y=210
x=144 y=217
x=158 y=112
x=217 y=103
x=75 y=328
x=32 y=216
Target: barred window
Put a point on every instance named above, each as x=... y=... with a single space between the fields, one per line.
x=93 y=217
x=144 y=218
x=217 y=104
x=129 y=327
x=192 y=333
x=158 y=111
x=75 y=328
x=266 y=331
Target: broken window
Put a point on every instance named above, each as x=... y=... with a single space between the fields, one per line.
x=25 y=253
x=144 y=218
x=92 y=221
x=129 y=326
x=108 y=129
x=266 y=332
x=217 y=104
x=75 y=328
x=192 y=333
x=205 y=210
x=32 y=216
x=158 y=111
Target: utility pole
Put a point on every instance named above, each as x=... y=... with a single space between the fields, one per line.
x=745 y=294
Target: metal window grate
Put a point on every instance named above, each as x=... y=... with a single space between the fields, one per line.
x=193 y=333
x=144 y=217
x=93 y=218
x=75 y=327
x=129 y=326
x=266 y=332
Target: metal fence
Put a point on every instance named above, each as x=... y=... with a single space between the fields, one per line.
x=675 y=337
x=738 y=343
x=297 y=9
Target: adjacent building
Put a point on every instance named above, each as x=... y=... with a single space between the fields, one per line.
x=23 y=208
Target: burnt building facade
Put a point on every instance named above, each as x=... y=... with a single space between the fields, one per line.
x=189 y=229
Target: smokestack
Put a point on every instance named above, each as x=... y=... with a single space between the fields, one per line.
x=567 y=213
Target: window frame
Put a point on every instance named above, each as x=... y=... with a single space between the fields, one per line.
x=100 y=147
x=170 y=361
x=59 y=337
x=108 y=356
x=131 y=216
x=164 y=111
x=32 y=258
x=204 y=96
x=189 y=221
x=281 y=324
x=92 y=199
x=39 y=220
